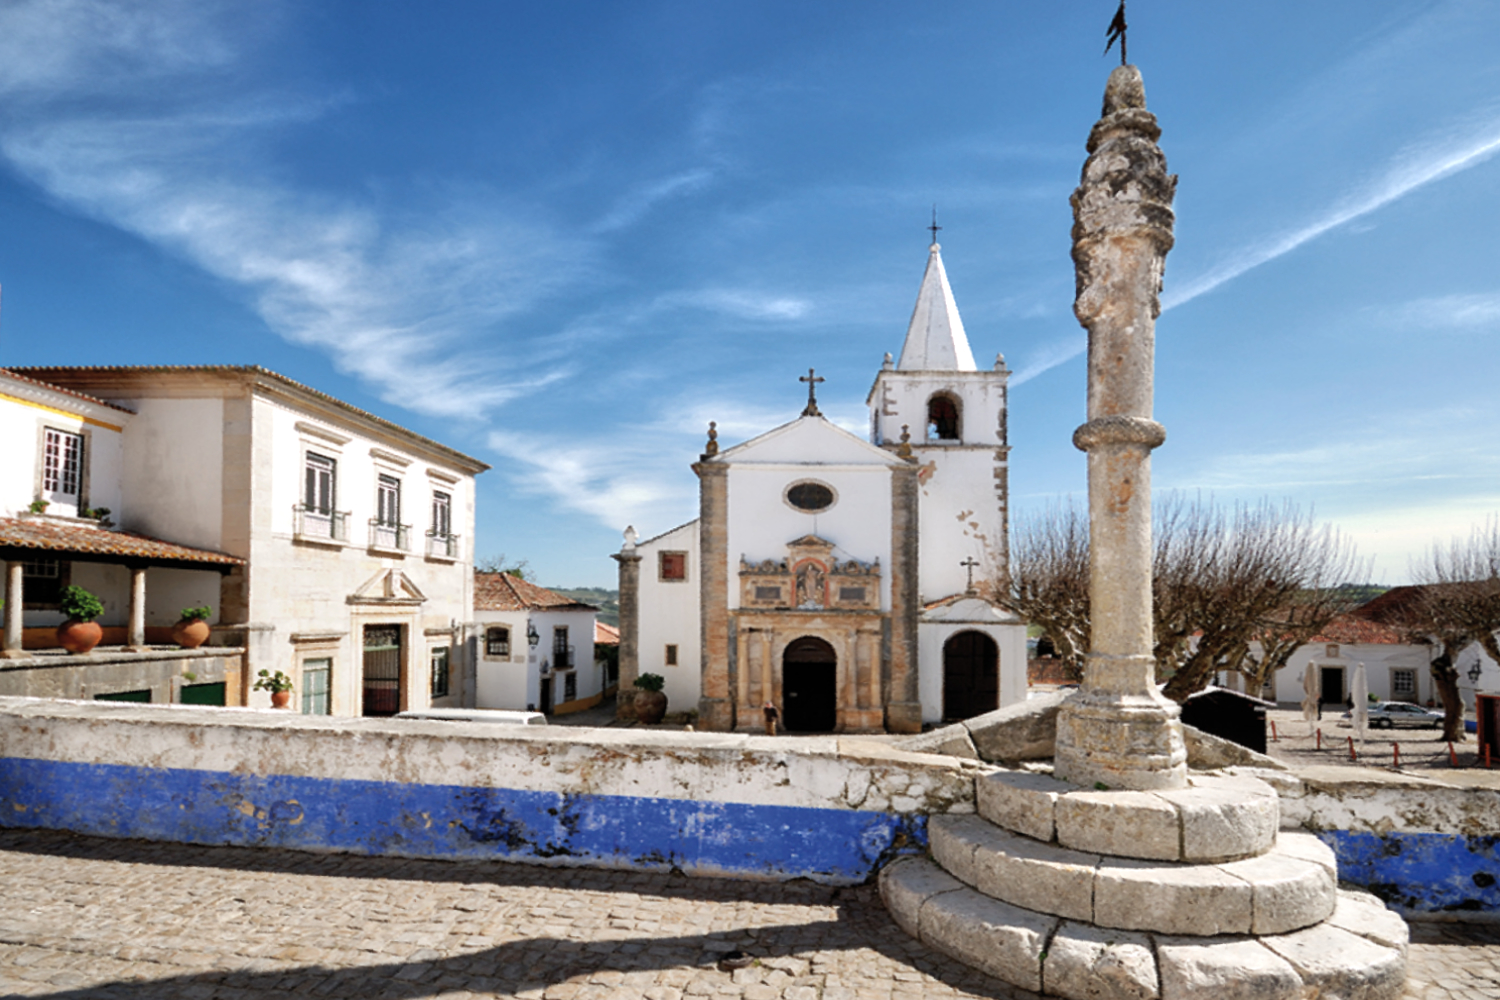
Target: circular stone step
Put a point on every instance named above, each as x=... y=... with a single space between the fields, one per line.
x=1280 y=891
x=1215 y=818
x=1075 y=960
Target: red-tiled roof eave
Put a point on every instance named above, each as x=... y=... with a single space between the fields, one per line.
x=64 y=391
x=26 y=538
x=257 y=371
x=503 y=592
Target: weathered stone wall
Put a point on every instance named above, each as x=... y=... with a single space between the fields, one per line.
x=828 y=808
x=162 y=672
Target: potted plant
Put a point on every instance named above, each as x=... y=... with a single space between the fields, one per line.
x=39 y=506
x=280 y=686
x=80 y=633
x=650 y=703
x=191 y=630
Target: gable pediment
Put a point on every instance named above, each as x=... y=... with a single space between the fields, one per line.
x=808 y=441
x=389 y=587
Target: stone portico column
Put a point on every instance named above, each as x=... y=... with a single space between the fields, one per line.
x=1119 y=730
x=13 y=611
x=136 y=640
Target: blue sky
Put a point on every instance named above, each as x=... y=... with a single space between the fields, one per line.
x=563 y=237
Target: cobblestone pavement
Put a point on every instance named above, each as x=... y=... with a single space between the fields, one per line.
x=84 y=917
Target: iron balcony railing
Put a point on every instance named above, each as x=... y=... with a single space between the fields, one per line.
x=323 y=525
x=442 y=545
x=384 y=535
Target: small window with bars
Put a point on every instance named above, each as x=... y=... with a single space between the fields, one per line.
x=440 y=671
x=1403 y=684
x=497 y=641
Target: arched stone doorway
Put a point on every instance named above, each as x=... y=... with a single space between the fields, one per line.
x=809 y=686
x=971 y=676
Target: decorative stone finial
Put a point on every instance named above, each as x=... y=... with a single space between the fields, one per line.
x=889 y=363
x=999 y=362
x=712 y=448
x=904 y=450
x=630 y=537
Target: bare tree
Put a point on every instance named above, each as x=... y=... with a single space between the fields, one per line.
x=519 y=568
x=1260 y=576
x=1049 y=581
x=1458 y=603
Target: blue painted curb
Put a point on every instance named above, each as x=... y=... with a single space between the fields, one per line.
x=455 y=821
x=1421 y=872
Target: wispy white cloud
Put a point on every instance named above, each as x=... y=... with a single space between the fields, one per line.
x=1447 y=312
x=739 y=303
x=635 y=205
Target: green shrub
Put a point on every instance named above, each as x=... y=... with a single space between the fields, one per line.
x=80 y=605
x=650 y=682
x=205 y=612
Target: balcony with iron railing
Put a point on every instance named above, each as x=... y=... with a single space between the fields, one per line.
x=313 y=524
x=389 y=536
x=441 y=545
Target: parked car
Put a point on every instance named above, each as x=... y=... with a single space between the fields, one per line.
x=504 y=717
x=1388 y=714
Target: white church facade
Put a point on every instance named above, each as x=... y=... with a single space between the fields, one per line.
x=843 y=581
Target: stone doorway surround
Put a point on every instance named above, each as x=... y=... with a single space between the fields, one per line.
x=760 y=641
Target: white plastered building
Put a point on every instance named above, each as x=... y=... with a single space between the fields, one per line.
x=843 y=580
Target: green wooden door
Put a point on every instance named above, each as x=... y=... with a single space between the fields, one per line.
x=203 y=694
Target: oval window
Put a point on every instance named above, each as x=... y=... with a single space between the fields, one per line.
x=810 y=496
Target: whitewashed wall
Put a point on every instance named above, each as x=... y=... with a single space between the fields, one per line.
x=669 y=614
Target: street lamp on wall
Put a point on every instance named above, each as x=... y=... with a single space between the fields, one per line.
x=1475 y=671
x=532 y=636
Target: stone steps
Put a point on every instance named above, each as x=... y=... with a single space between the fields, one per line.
x=1283 y=890
x=1359 y=951
x=1216 y=818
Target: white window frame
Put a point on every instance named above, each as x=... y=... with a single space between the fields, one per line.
x=62 y=467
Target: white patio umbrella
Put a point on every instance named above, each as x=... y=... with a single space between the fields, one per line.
x=1312 y=690
x=1359 y=693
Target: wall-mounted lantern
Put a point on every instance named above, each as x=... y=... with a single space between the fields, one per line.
x=532 y=637
x=1475 y=671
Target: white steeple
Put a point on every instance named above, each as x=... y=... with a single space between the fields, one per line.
x=935 y=340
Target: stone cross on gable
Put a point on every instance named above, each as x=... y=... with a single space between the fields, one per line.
x=969 y=564
x=812 y=399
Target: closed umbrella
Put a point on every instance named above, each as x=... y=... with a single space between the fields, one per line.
x=1312 y=689
x=1360 y=694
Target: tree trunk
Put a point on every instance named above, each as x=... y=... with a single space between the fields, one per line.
x=1445 y=677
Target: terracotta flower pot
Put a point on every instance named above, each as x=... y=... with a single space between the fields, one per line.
x=79 y=637
x=190 y=633
x=650 y=706
x=281 y=699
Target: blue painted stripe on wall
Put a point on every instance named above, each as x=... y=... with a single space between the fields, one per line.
x=452 y=821
x=1421 y=872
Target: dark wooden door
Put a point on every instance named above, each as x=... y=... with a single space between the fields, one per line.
x=971 y=676
x=546 y=696
x=809 y=683
x=382 y=673
x=1333 y=686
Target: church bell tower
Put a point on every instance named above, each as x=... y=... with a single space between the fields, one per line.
x=953 y=415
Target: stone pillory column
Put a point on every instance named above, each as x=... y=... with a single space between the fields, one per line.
x=715 y=704
x=630 y=625
x=1119 y=730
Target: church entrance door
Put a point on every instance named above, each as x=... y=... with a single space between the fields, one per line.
x=971 y=676
x=809 y=682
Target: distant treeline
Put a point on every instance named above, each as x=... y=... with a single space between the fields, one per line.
x=607 y=601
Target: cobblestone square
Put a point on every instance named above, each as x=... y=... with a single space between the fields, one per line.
x=85 y=917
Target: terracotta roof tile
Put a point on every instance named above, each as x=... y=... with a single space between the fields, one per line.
x=65 y=390
x=1351 y=630
x=606 y=635
x=50 y=535
x=503 y=592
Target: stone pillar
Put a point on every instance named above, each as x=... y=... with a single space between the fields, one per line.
x=135 y=641
x=1119 y=730
x=630 y=626
x=903 y=713
x=14 y=608
x=743 y=707
x=715 y=706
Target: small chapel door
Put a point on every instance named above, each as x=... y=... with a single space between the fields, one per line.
x=809 y=682
x=971 y=676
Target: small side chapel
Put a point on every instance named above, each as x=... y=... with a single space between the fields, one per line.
x=844 y=581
